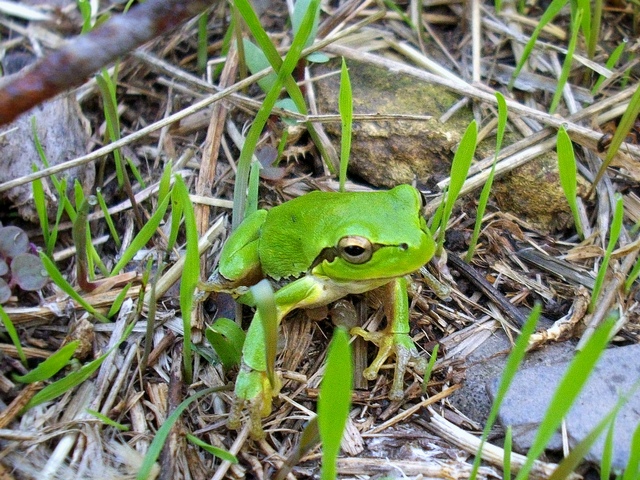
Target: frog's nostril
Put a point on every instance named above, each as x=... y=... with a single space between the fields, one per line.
x=404 y=246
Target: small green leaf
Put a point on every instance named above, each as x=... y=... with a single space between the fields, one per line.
x=107 y=421
x=257 y=61
x=300 y=9
x=568 y=172
x=215 y=451
x=227 y=338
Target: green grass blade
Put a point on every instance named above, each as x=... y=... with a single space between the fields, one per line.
x=607 y=452
x=566 y=65
x=289 y=63
x=107 y=89
x=119 y=300
x=334 y=400
x=632 y=472
x=190 y=274
x=624 y=127
x=427 y=373
x=510 y=369
x=13 y=334
x=580 y=451
x=486 y=189
x=105 y=211
x=202 y=54
x=567 y=392
x=506 y=462
x=611 y=63
x=614 y=234
x=61 y=282
x=40 y=202
x=459 y=169
x=107 y=421
x=74 y=379
x=215 y=451
x=552 y=10
x=596 y=23
x=163 y=432
x=143 y=236
x=52 y=365
x=345 y=107
x=568 y=172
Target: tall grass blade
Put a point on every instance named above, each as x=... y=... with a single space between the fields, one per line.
x=52 y=365
x=552 y=10
x=61 y=282
x=596 y=22
x=346 y=119
x=632 y=472
x=284 y=74
x=511 y=368
x=13 y=334
x=40 y=202
x=107 y=217
x=611 y=62
x=567 y=392
x=190 y=274
x=459 y=169
x=143 y=236
x=163 y=433
x=566 y=65
x=614 y=234
x=624 y=127
x=334 y=400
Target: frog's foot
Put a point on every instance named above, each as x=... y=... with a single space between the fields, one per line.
x=254 y=390
x=390 y=344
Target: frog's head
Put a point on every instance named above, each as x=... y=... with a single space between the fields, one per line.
x=385 y=237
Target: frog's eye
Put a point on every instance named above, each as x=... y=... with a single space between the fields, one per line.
x=355 y=249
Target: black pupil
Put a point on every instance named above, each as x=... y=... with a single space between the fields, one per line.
x=354 y=250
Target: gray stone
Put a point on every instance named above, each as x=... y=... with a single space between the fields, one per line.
x=532 y=389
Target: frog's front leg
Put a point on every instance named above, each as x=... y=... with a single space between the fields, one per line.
x=253 y=388
x=394 y=340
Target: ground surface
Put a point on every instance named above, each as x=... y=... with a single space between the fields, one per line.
x=461 y=52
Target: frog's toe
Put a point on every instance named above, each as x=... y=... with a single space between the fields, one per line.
x=389 y=344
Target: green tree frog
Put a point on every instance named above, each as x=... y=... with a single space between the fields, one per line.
x=317 y=249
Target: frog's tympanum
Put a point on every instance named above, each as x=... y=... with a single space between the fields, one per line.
x=319 y=248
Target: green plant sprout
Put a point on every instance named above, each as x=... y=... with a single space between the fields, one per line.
x=459 y=169
x=486 y=189
x=567 y=170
